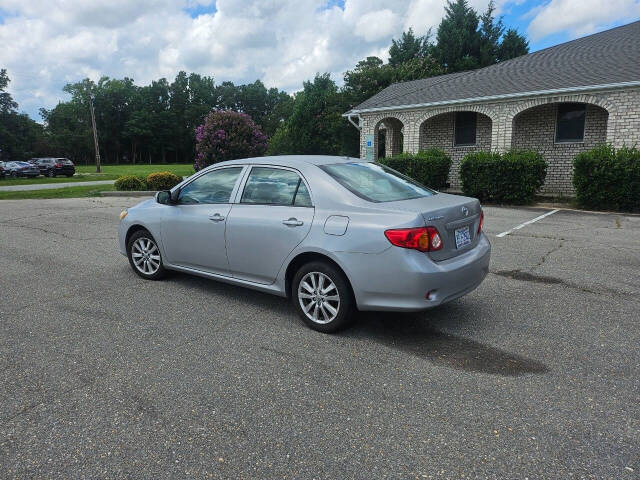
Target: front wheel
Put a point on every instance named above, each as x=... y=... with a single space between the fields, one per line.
x=322 y=297
x=51 y=174
x=144 y=256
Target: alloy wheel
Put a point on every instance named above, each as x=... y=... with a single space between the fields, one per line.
x=319 y=297
x=145 y=255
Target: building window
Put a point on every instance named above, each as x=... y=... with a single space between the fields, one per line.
x=570 y=122
x=465 y=128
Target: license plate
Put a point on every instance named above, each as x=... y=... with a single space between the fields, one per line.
x=463 y=237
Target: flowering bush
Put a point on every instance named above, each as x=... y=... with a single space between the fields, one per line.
x=227 y=135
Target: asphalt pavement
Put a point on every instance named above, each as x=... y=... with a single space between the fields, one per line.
x=536 y=374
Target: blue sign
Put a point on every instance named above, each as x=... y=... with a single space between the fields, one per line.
x=368 y=151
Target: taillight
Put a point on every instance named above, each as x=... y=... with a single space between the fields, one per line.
x=423 y=239
x=58 y=165
x=481 y=221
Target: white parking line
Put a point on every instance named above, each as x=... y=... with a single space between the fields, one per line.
x=527 y=223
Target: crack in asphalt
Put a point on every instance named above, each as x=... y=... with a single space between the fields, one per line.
x=546 y=255
x=63 y=235
x=523 y=276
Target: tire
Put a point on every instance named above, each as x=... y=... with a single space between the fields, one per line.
x=14 y=174
x=152 y=268
x=51 y=174
x=321 y=306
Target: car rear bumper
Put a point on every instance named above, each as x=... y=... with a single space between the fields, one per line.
x=399 y=279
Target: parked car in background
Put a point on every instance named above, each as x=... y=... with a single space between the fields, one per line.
x=52 y=167
x=21 y=169
x=334 y=234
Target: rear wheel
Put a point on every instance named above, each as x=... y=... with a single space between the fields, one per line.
x=144 y=256
x=51 y=173
x=322 y=297
x=14 y=174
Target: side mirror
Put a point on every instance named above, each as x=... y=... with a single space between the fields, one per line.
x=164 y=197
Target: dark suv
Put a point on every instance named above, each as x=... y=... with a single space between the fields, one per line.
x=55 y=166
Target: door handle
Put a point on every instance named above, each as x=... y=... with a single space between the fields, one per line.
x=216 y=217
x=293 y=222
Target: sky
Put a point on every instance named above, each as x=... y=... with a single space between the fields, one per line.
x=281 y=42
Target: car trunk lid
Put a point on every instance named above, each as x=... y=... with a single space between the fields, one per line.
x=448 y=213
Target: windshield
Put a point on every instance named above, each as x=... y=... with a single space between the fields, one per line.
x=375 y=182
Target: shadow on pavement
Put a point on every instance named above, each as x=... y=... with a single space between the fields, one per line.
x=412 y=333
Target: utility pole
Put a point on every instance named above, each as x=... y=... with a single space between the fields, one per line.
x=95 y=135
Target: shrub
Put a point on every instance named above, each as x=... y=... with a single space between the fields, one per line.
x=130 y=182
x=608 y=179
x=429 y=167
x=512 y=177
x=162 y=181
x=227 y=135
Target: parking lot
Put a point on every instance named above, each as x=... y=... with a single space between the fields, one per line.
x=536 y=374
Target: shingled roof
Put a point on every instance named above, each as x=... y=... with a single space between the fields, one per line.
x=608 y=58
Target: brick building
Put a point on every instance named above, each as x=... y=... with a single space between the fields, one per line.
x=559 y=101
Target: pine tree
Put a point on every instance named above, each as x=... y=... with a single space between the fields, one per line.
x=513 y=45
x=407 y=48
x=458 y=39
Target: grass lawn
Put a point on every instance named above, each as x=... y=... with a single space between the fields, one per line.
x=66 y=192
x=83 y=177
x=115 y=171
x=109 y=172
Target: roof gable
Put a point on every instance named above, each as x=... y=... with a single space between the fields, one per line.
x=609 y=57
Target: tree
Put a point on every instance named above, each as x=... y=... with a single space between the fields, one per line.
x=7 y=104
x=315 y=125
x=67 y=127
x=227 y=135
x=490 y=33
x=513 y=45
x=407 y=47
x=416 y=68
x=369 y=77
x=458 y=39
x=20 y=137
x=279 y=108
x=113 y=107
x=139 y=130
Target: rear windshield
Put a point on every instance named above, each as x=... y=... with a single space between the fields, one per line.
x=375 y=182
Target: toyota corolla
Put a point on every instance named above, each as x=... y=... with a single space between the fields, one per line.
x=334 y=234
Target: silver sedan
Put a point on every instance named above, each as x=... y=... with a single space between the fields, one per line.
x=334 y=234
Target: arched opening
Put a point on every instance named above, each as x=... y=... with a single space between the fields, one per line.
x=559 y=131
x=463 y=129
x=457 y=133
x=389 y=136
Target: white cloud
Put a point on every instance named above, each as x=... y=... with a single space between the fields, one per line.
x=281 y=42
x=579 y=17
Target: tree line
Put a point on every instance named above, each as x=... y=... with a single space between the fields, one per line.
x=155 y=123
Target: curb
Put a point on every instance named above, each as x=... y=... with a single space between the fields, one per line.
x=129 y=193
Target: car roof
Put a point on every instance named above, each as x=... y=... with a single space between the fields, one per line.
x=290 y=160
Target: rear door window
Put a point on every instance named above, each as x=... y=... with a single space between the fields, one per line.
x=275 y=186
